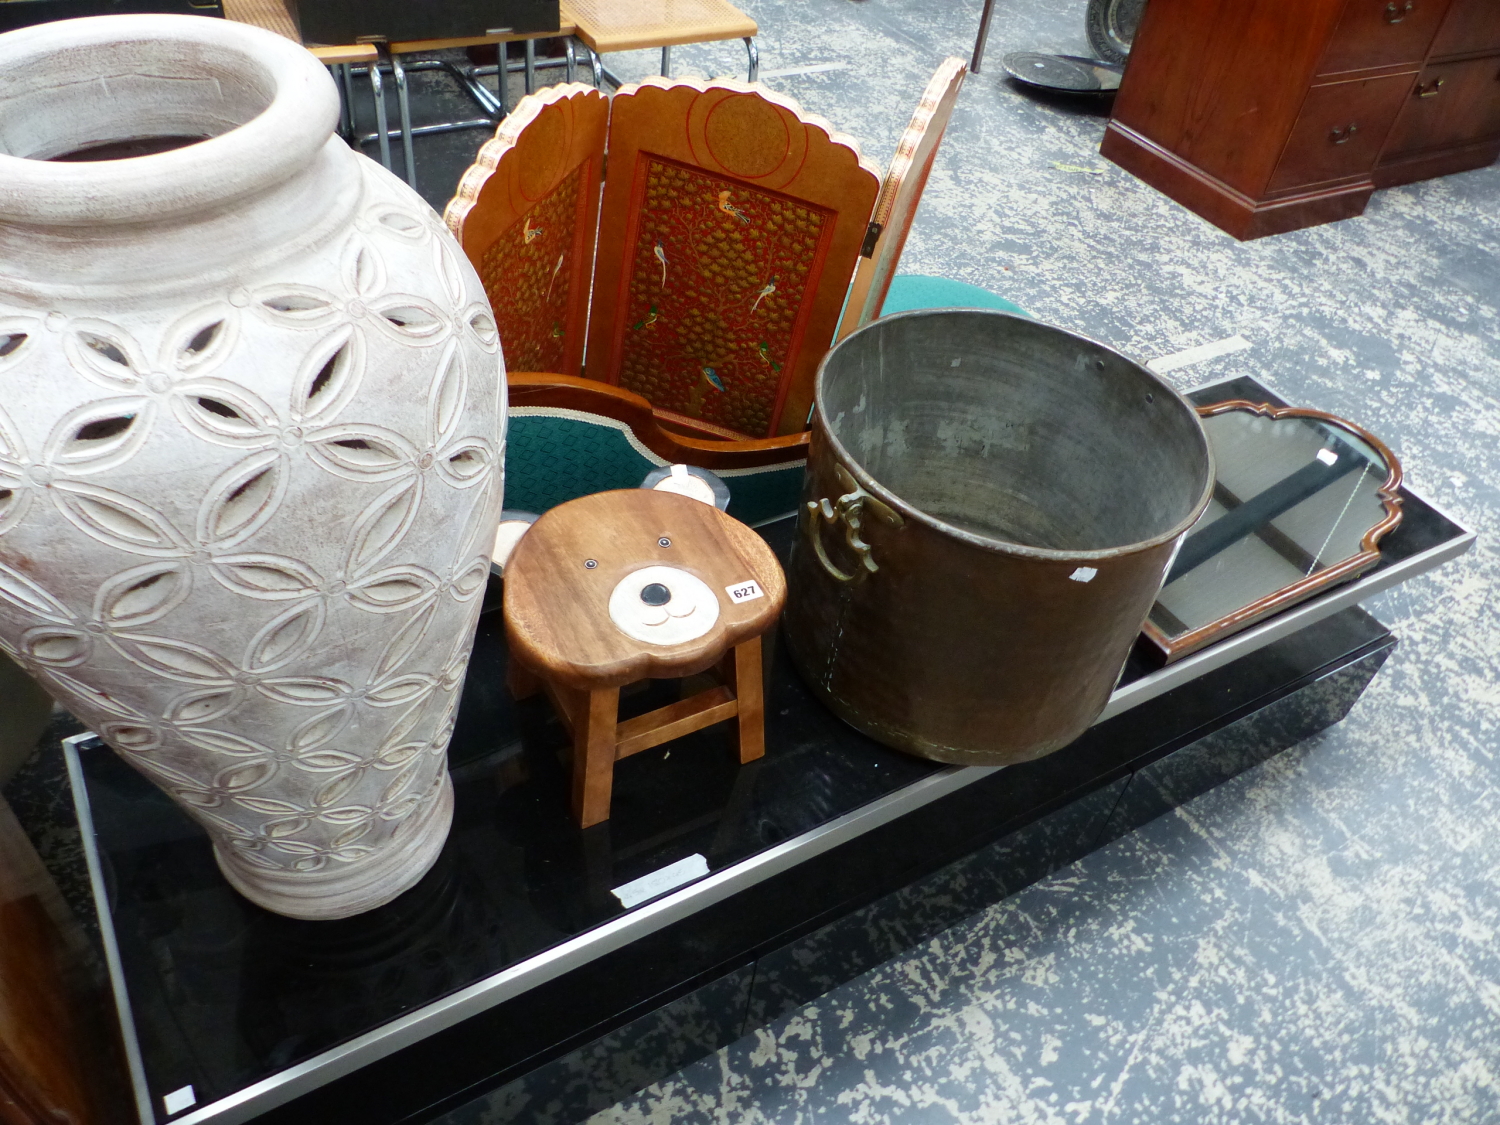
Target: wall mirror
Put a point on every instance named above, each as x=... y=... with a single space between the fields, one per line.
x=1301 y=500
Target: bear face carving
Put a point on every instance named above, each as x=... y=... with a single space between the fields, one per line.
x=634 y=584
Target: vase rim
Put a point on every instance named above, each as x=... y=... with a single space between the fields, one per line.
x=298 y=118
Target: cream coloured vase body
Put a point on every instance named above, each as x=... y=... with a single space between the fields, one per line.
x=252 y=416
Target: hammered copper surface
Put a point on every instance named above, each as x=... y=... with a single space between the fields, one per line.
x=990 y=506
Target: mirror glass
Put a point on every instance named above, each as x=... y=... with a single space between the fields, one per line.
x=1292 y=496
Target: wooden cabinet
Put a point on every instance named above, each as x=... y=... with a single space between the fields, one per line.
x=1264 y=116
x=1451 y=119
x=1339 y=132
x=1380 y=33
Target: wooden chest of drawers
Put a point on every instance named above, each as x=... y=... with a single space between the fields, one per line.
x=1265 y=116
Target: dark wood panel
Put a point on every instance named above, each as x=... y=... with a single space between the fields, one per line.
x=1442 y=162
x=1231 y=211
x=1265 y=116
x=1219 y=82
x=1383 y=33
x=1472 y=26
x=1452 y=105
x=1341 y=131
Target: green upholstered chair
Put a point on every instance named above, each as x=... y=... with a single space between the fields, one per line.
x=919 y=291
x=571 y=437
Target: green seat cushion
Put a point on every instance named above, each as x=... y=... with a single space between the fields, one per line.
x=553 y=455
x=918 y=291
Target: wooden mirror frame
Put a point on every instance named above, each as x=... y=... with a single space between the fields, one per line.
x=1176 y=647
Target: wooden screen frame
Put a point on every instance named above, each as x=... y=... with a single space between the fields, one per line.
x=513 y=173
x=901 y=194
x=1176 y=647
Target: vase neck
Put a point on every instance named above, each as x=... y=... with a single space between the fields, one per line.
x=259 y=177
x=46 y=265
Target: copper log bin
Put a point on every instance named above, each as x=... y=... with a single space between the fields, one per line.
x=991 y=504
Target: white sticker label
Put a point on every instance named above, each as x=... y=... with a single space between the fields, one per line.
x=1083 y=574
x=179 y=1100
x=660 y=881
x=746 y=591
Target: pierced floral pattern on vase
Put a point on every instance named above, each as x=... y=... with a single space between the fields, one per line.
x=246 y=542
x=714 y=305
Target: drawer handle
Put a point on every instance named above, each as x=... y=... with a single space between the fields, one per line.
x=1343 y=136
x=1395 y=13
x=1430 y=90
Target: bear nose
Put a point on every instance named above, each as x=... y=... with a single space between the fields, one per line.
x=656 y=594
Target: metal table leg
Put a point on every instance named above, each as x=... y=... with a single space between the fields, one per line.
x=984 y=34
x=503 y=80
x=340 y=73
x=403 y=103
x=347 y=74
x=596 y=64
x=754 y=52
x=468 y=80
x=382 y=127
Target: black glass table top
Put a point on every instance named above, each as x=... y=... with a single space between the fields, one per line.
x=223 y=995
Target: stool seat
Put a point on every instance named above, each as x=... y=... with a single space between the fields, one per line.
x=557 y=607
x=635 y=584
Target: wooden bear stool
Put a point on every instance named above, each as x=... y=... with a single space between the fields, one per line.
x=623 y=586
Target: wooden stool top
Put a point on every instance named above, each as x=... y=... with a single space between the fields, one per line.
x=627 y=25
x=673 y=586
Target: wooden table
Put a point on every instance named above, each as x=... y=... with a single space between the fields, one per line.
x=632 y=25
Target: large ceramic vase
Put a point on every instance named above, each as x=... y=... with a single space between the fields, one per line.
x=251 y=430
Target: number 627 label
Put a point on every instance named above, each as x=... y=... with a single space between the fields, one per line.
x=746 y=591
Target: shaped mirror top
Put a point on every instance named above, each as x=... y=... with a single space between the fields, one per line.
x=1300 y=500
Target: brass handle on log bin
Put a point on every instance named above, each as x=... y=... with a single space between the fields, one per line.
x=1395 y=13
x=848 y=509
x=1343 y=136
x=1430 y=90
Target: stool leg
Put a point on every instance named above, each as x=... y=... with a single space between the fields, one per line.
x=750 y=719
x=522 y=682
x=594 y=756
